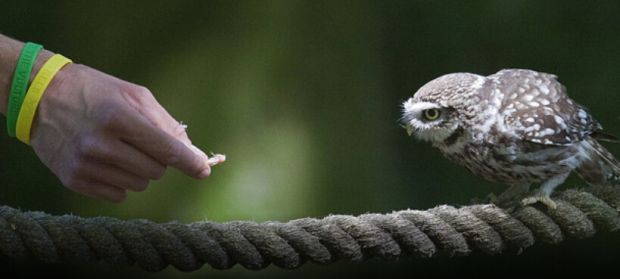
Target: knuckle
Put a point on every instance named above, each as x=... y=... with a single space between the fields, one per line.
x=81 y=171
x=72 y=181
x=178 y=131
x=171 y=153
x=140 y=186
x=142 y=90
x=73 y=177
x=108 y=115
x=157 y=172
x=118 y=197
x=137 y=91
x=86 y=147
x=197 y=165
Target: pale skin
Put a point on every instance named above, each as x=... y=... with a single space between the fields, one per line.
x=100 y=135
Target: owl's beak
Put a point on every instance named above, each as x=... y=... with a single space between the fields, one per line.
x=404 y=122
x=408 y=128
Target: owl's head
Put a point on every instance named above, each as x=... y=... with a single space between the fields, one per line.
x=436 y=111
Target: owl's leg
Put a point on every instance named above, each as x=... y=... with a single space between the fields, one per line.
x=543 y=194
x=510 y=197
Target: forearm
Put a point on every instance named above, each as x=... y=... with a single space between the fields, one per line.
x=9 y=54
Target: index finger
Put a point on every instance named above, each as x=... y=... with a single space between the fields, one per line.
x=138 y=131
x=160 y=117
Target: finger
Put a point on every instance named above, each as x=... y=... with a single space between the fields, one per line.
x=112 y=175
x=173 y=126
x=126 y=157
x=103 y=191
x=140 y=133
x=160 y=117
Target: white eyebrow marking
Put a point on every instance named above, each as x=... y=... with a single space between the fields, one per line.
x=411 y=106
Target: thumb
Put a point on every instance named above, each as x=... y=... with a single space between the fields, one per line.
x=162 y=146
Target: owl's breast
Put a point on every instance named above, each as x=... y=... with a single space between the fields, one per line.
x=514 y=162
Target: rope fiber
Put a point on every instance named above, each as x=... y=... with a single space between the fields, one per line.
x=441 y=231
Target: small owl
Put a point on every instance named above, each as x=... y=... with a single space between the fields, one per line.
x=516 y=127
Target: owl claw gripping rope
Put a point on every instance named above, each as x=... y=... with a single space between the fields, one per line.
x=516 y=127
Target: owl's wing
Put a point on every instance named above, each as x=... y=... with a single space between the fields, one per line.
x=537 y=109
x=601 y=136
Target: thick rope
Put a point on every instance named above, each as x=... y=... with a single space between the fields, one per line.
x=440 y=231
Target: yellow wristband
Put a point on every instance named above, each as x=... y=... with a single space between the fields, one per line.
x=34 y=94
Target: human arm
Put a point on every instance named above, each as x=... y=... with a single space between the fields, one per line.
x=100 y=135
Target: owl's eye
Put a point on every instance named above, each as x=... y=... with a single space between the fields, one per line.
x=431 y=114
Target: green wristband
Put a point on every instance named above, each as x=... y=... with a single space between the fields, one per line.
x=20 y=84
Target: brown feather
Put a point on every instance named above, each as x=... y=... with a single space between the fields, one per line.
x=599 y=135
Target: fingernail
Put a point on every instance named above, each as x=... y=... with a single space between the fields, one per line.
x=205 y=173
x=197 y=151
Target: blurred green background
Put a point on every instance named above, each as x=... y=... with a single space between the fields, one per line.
x=304 y=98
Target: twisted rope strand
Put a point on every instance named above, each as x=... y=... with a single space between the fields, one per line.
x=440 y=231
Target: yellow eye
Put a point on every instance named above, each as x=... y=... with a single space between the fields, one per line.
x=431 y=114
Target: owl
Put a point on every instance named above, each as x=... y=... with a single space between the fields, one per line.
x=516 y=127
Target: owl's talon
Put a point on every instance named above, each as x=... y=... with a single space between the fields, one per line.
x=506 y=204
x=510 y=197
x=540 y=197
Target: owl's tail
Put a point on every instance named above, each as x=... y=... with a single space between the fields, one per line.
x=602 y=168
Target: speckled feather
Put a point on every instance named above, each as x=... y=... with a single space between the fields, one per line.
x=535 y=105
x=515 y=126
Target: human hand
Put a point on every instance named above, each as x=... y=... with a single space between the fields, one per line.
x=103 y=136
